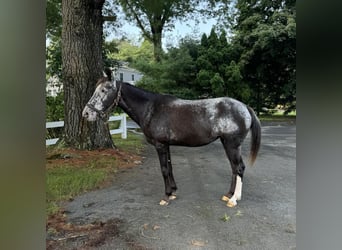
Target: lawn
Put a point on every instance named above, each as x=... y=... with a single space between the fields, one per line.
x=278 y=116
x=71 y=172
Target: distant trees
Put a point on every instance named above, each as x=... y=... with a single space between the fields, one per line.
x=265 y=38
x=257 y=65
x=197 y=69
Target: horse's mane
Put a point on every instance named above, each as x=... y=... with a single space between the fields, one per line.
x=146 y=93
x=149 y=94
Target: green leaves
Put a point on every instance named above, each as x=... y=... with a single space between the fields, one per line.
x=217 y=85
x=266 y=38
x=53 y=18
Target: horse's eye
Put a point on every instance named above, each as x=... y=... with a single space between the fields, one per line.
x=102 y=90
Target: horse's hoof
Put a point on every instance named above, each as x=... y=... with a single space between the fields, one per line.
x=231 y=203
x=173 y=196
x=163 y=203
x=224 y=198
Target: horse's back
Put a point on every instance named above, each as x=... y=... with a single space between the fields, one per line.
x=197 y=122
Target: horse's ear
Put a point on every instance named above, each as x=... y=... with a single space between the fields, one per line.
x=108 y=73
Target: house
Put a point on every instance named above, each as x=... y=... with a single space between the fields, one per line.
x=127 y=74
x=123 y=73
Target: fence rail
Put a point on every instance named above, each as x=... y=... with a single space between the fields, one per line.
x=121 y=130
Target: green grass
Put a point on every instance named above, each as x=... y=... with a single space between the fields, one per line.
x=278 y=116
x=64 y=181
x=133 y=144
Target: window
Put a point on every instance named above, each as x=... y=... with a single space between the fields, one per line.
x=121 y=77
x=132 y=77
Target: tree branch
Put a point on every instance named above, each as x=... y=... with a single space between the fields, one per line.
x=139 y=23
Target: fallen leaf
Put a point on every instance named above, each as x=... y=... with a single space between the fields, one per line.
x=155 y=227
x=145 y=226
x=198 y=243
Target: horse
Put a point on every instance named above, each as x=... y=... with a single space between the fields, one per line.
x=166 y=120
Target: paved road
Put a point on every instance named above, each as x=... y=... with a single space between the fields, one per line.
x=265 y=218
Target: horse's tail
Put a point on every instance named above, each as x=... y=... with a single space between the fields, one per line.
x=256 y=136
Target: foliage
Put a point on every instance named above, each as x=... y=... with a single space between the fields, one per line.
x=265 y=36
x=54 y=112
x=124 y=50
x=174 y=74
x=110 y=48
x=197 y=69
x=153 y=17
x=53 y=18
x=54 y=58
x=257 y=66
x=55 y=108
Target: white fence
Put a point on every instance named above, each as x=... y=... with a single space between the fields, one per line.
x=121 y=130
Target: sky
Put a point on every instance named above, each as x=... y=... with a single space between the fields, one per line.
x=170 y=38
x=181 y=30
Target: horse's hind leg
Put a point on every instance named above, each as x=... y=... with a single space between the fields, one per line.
x=233 y=152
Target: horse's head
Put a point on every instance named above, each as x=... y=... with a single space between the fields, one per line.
x=106 y=95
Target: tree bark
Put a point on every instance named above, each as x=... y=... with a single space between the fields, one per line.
x=82 y=65
x=157 y=45
x=156 y=30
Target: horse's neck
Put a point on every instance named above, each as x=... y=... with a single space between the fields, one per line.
x=135 y=102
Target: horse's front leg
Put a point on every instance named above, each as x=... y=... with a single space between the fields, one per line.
x=162 y=151
x=171 y=178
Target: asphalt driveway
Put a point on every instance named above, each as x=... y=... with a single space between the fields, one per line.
x=265 y=218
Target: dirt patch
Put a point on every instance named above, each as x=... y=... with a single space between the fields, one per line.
x=79 y=158
x=63 y=235
x=60 y=233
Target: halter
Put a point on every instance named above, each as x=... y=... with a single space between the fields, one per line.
x=104 y=114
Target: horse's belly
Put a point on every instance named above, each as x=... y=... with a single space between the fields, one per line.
x=191 y=137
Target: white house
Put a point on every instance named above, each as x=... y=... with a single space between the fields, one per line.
x=124 y=73
x=127 y=74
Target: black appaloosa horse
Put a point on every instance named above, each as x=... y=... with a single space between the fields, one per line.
x=166 y=120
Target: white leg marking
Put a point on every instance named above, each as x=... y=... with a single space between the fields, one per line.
x=237 y=193
x=238 y=188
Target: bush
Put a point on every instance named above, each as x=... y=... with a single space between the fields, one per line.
x=54 y=112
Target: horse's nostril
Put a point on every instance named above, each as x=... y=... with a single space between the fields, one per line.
x=86 y=114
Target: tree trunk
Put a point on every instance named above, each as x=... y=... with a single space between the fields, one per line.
x=82 y=65
x=157 y=30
